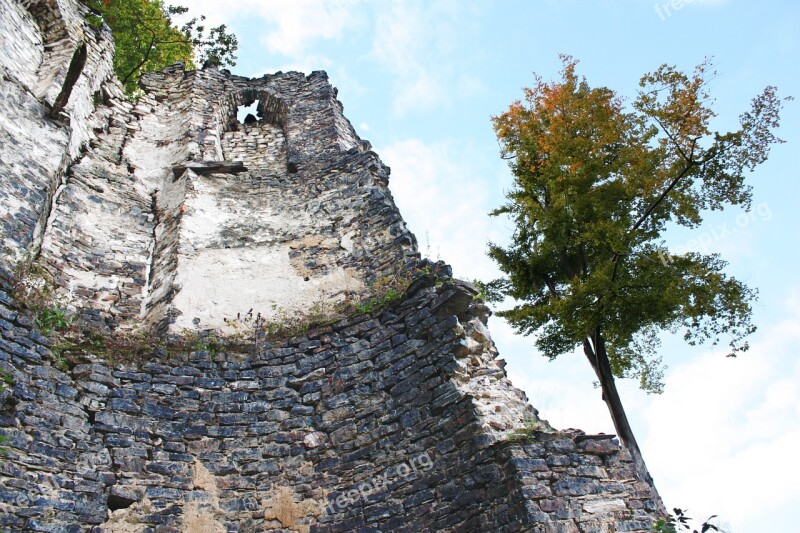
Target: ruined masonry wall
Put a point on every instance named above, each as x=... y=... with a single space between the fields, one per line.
x=109 y=222
x=262 y=145
x=37 y=41
x=358 y=425
x=399 y=420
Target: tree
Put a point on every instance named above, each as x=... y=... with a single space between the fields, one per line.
x=146 y=38
x=595 y=187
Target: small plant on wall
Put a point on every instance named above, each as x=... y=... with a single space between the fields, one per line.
x=34 y=288
x=75 y=341
x=678 y=521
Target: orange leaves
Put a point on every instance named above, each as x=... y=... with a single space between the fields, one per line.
x=575 y=167
x=680 y=105
x=508 y=124
x=564 y=130
x=595 y=188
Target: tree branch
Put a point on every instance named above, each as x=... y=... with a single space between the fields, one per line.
x=661 y=197
x=672 y=139
x=143 y=61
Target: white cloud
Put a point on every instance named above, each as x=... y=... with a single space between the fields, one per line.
x=444 y=191
x=302 y=21
x=291 y=26
x=562 y=390
x=420 y=90
x=417 y=43
x=443 y=195
x=723 y=437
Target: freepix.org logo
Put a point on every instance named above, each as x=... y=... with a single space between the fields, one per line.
x=703 y=242
x=666 y=9
x=364 y=490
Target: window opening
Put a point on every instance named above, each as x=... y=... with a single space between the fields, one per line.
x=247 y=113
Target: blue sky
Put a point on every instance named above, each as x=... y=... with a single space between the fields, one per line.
x=420 y=80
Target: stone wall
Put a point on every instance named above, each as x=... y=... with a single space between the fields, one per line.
x=130 y=236
x=261 y=145
x=362 y=425
x=92 y=193
x=171 y=215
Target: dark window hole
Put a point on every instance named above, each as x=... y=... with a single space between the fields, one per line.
x=116 y=502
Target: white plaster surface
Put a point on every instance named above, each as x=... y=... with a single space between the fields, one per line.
x=220 y=283
x=22 y=54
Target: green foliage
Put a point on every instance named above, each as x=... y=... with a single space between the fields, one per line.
x=491 y=291
x=255 y=329
x=60 y=360
x=95 y=21
x=207 y=343
x=147 y=38
x=385 y=290
x=244 y=333
x=596 y=186
x=33 y=287
x=79 y=340
x=5 y=379
x=377 y=302
x=52 y=319
x=679 y=521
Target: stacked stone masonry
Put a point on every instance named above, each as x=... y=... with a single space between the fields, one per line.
x=401 y=419
x=217 y=439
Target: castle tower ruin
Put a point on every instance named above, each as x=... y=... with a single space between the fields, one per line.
x=170 y=217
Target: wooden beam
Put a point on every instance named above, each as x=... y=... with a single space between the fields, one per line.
x=209 y=167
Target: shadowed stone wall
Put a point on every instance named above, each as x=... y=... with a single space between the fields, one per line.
x=362 y=424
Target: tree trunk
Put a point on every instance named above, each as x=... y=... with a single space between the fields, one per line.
x=595 y=351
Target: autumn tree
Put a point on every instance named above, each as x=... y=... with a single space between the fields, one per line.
x=595 y=186
x=147 y=38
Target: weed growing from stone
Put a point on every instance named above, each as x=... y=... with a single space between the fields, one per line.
x=119 y=346
x=6 y=379
x=255 y=329
x=246 y=333
x=53 y=319
x=533 y=426
x=373 y=304
x=34 y=288
x=387 y=289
